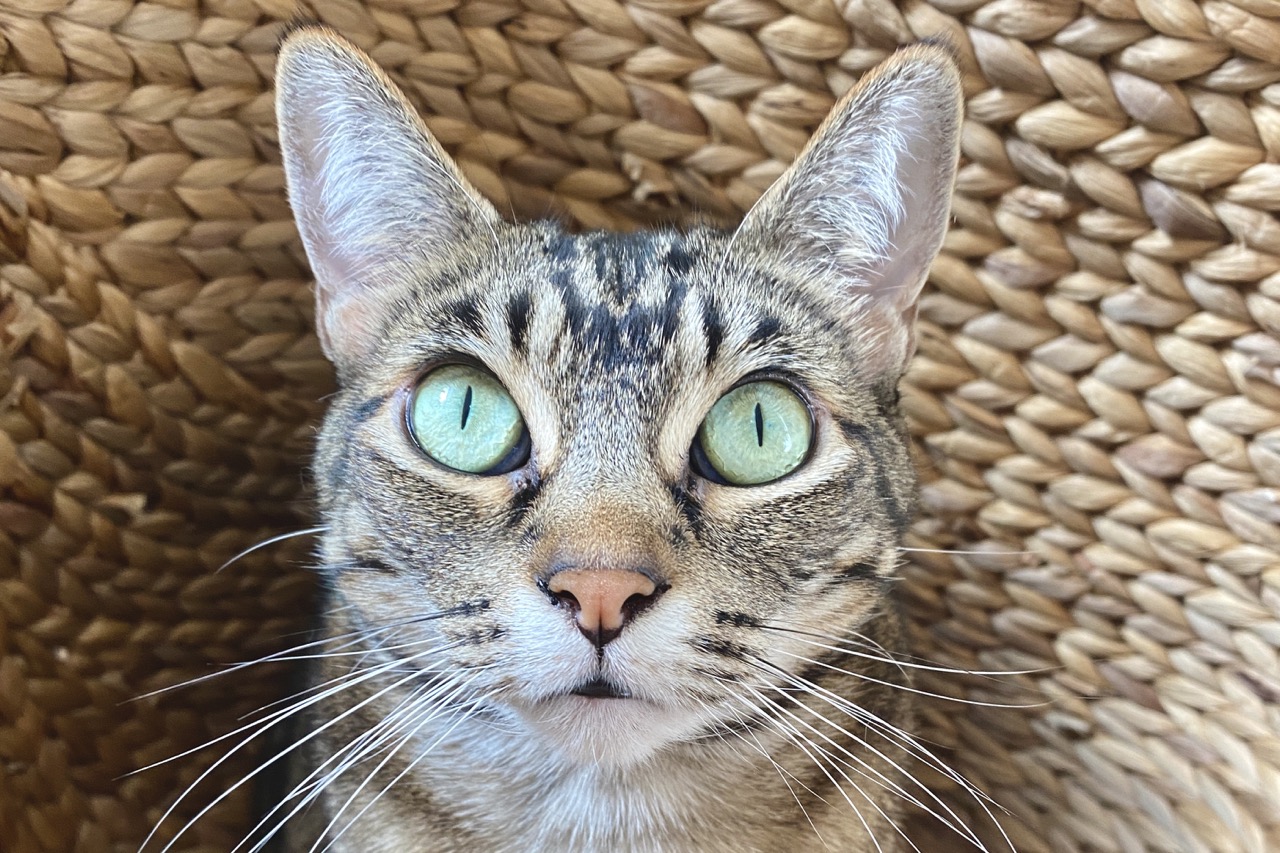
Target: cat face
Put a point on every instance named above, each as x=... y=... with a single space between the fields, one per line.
x=607 y=558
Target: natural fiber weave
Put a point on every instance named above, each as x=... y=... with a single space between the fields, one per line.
x=1096 y=396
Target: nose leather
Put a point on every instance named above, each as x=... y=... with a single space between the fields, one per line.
x=602 y=598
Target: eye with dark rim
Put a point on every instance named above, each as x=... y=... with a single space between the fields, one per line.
x=760 y=431
x=461 y=417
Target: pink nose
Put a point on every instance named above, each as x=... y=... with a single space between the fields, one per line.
x=604 y=600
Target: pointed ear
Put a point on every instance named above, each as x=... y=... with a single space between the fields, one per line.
x=864 y=208
x=374 y=195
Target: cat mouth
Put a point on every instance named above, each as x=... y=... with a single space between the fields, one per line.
x=601 y=688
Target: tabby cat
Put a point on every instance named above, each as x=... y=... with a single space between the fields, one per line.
x=611 y=520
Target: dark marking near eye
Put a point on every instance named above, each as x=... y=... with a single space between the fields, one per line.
x=467 y=312
x=738 y=620
x=759 y=424
x=853 y=431
x=518 y=319
x=471 y=608
x=723 y=648
x=766 y=329
x=368 y=409
x=713 y=330
x=522 y=502
x=689 y=509
x=899 y=516
x=798 y=574
x=466 y=408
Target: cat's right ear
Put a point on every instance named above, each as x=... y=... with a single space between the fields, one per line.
x=374 y=195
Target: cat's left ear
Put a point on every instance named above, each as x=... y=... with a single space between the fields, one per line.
x=865 y=206
x=376 y=198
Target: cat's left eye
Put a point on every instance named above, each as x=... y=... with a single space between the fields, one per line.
x=755 y=434
x=464 y=419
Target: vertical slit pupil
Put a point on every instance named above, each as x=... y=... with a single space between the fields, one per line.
x=759 y=425
x=466 y=408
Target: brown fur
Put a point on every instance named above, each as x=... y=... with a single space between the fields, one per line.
x=614 y=348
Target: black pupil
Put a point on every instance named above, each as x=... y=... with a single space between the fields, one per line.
x=759 y=426
x=466 y=408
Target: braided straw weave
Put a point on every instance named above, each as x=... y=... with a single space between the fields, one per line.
x=1095 y=399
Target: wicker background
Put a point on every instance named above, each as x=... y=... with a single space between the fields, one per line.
x=1096 y=395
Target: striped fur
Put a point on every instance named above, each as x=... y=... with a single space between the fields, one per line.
x=746 y=733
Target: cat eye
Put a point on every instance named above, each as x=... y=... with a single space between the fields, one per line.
x=754 y=434
x=464 y=419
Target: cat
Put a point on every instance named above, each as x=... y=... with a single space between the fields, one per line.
x=610 y=520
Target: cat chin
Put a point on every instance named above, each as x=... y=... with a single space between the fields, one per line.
x=610 y=733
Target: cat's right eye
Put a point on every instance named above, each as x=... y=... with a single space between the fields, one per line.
x=464 y=419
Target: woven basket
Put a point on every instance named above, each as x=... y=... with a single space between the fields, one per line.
x=1095 y=398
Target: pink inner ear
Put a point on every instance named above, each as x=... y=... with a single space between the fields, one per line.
x=347 y=324
x=924 y=190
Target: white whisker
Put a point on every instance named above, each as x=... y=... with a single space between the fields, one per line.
x=803 y=744
x=409 y=767
x=911 y=744
x=418 y=708
x=862 y=676
x=268 y=542
x=862 y=716
x=803 y=637
x=262 y=727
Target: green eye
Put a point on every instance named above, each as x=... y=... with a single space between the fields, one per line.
x=463 y=418
x=756 y=433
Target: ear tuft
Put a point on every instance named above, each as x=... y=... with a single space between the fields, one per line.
x=864 y=208
x=375 y=197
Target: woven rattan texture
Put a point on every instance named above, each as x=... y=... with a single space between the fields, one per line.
x=1095 y=398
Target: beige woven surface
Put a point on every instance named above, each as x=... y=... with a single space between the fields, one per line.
x=1096 y=394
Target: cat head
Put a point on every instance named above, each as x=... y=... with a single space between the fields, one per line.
x=609 y=481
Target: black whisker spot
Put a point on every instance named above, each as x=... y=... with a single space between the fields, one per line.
x=471 y=608
x=738 y=620
x=481 y=636
x=723 y=648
